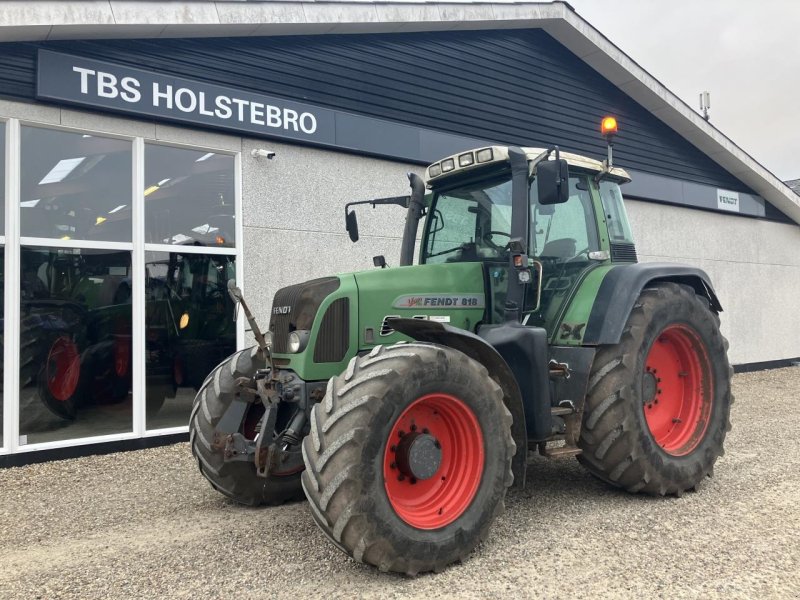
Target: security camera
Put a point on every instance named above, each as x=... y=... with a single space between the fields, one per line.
x=261 y=153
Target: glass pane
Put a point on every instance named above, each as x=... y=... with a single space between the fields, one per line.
x=189 y=197
x=2 y=333
x=565 y=231
x=616 y=217
x=2 y=179
x=189 y=329
x=470 y=223
x=75 y=186
x=75 y=343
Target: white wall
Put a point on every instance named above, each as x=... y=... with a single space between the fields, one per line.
x=753 y=264
x=294 y=216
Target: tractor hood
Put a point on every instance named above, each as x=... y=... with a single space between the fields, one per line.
x=450 y=293
x=340 y=316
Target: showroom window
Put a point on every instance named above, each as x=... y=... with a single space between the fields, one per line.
x=190 y=232
x=2 y=270
x=75 y=301
x=120 y=253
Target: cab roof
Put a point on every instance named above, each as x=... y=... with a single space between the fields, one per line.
x=444 y=169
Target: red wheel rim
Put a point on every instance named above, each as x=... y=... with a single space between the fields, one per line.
x=440 y=499
x=122 y=355
x=63 y=369
x=677 y=390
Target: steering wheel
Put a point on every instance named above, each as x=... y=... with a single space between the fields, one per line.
x=487 y=237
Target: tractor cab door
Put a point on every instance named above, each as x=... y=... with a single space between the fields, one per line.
x=560 y=239
x=561 y=236
x=472 y=223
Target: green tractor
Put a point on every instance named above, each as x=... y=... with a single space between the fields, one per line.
x=403 y=402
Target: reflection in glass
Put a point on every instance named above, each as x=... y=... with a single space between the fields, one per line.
x=189 y=329
x=2 y=335
x=189 y=197
x=75 y=343
x=75 y=186
x=2 y=180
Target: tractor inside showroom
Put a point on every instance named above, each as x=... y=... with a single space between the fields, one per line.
x=403 y=402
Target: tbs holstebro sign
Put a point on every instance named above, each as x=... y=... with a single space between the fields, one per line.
x=95 y=83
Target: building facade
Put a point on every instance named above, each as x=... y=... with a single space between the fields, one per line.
x=148 y=157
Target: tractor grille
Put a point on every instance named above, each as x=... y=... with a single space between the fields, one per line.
x=295 y=307
x=623 y=252
x=333 y=338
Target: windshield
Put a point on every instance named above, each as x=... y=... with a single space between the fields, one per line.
x=469 y=223
x=473 y=223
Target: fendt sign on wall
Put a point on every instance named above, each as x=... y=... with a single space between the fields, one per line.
x=95 y=83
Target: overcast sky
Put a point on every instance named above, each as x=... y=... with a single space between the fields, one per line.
x=746 y=53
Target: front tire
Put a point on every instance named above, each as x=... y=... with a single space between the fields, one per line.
x=409 y=457
x=658 y=405
x=235 y=479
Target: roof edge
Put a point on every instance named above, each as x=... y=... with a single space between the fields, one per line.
x=41 y=20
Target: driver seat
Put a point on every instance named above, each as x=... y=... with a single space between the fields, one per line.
x=563 y=248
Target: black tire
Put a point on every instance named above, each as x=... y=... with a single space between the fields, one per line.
x=155 y=395
x=346 y=453
x=617 y=442
x=236 y=480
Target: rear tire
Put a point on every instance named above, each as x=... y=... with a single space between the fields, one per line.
x=658 y=404
x=358 y=481
x=237 y=480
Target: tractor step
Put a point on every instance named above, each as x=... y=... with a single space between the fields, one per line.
x=551 y=451
x=561 y=411
x=561 y=452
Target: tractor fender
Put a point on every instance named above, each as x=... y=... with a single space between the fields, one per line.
x=623 y=284
x=480 y=350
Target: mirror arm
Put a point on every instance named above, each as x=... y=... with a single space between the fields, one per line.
x=398 y=200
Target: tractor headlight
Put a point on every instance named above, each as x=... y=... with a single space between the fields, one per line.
x=465 y=160
x=485 y=155
x=435 y=170
x=298 y=340
x=268 y=340
x=448 y=165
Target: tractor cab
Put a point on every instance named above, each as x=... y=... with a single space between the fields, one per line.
x=471 y=213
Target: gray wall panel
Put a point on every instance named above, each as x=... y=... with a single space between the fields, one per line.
x=514 y=86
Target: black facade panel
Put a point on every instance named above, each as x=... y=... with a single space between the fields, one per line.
x=511 y=86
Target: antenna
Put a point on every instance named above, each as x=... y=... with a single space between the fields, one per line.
x=705 y=104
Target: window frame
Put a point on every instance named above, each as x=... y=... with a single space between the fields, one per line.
x=13 y=243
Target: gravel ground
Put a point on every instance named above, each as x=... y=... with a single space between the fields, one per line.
x=146 y=524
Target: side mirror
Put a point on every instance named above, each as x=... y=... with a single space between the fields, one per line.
x=351 y=224
x=552 y=181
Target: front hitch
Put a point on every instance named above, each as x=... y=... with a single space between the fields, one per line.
x=265 y=386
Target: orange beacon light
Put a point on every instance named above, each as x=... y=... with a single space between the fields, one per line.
x=608 y=127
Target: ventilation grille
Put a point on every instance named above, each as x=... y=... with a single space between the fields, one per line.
x=333 y=339
x=303 y=301
x=623 y=252
x=387 y=330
